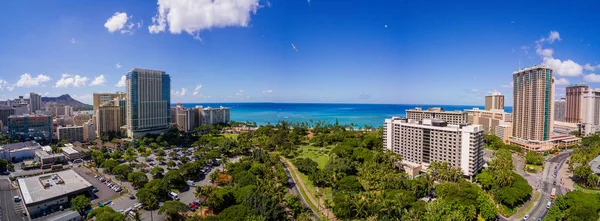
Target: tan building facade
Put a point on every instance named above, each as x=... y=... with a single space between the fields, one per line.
x=101 y=98
x=574 y=102
x=533 y=110
x=452 y=117
x=489 y=119
x=423 y=142
x=504 y=131
x=494 y=102
x=109 y=119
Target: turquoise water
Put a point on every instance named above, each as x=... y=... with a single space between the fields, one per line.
x=361 y=114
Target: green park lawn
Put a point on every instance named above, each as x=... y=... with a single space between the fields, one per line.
x=318 y=154
x=585 y=190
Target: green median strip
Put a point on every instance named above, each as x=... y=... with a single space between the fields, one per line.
x=536 y=197
x=304 y=194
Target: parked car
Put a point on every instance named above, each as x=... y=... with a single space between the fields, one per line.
x=190 y=183
x=131 y=196
x=96 y=177
x=16 y=198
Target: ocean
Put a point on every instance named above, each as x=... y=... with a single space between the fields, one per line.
x=361 y=114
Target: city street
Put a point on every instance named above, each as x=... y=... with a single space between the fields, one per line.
x=10 y=210
x=539 y=211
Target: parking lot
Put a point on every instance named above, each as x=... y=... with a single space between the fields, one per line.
x=104 y=193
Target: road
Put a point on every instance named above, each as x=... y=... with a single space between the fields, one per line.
x=293 y=189
x=9 y=209
x=539 y=211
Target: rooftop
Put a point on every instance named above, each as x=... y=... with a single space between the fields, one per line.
x=18 y=146
x=69 y=150
x=48 y=186
x=45 y=155
x=595 y=165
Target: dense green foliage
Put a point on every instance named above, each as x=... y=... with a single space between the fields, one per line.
x=580 y=159
x=495 y=143
x=507 y=187
x=575 y=205
x=534 y=158
x=80 y=203
x=106 y=213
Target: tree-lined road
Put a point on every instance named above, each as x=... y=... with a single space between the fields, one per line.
x=539 y=211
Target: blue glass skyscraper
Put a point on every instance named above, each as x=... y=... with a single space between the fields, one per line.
x=148 y=101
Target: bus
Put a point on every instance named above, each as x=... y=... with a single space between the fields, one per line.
x=553 y=193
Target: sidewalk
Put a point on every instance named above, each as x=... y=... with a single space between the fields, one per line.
x=565 y=176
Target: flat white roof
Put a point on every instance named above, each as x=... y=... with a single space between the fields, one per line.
x=69 y=150
x=33 y=191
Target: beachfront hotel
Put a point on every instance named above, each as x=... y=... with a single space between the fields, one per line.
x=148 y=102
x=452 y=117
x=422 y=142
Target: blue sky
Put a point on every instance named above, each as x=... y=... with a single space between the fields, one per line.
x=354 y=51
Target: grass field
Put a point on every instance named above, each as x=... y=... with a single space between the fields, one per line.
x=585 y=190
x=318 y=154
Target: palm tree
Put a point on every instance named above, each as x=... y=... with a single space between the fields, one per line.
x=152 y=203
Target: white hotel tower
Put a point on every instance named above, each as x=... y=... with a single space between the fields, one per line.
x=148 y=102
x=422 y=142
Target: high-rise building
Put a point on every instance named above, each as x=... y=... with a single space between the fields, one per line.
x=590 y=108
x=494 y=101
x=533 y=94
x=110 y=117
x=57 y=110
x=5 y=111
x=30 y=127
x=574 y=103
x=559 y=110
x=81 y=118
x=211 y=115
x=35 y=102
x=71 y=134
x=101 y=98
x=148 y=102
x=452 y=117
x=89 y=130
x=489 y=119
x=423 y=142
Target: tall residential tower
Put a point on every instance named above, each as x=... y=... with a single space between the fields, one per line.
x=533 y=106
x=148 y=101
x=35 y=102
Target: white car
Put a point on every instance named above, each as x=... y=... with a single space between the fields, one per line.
x=526 y=217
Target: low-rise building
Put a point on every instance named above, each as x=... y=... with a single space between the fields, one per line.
x=52 y=190
x=48 y=159
x=19 y=151
x=543 y=146
x=71 y=134
x=70 y=152
x=489 y=119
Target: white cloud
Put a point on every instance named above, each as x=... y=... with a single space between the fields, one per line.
x=474 y=90
x=566 y=68
x=561 y=81
x=116 y=22
x=119 y=22
x=509 y=85
x=100 y=80
x=179 y=93
x=118 y=65
x=193 y=16
x=4 y=84
x=122 y=82
x=72 y=40
x=553 y=36
x=268 y=91
x=544 y=52
x=197 y=89
x=27 y=81
x=592 y=78
x=71 y=81
x=239 y=93
x=308 y=1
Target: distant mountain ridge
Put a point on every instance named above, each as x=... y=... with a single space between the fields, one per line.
x=68 y=100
